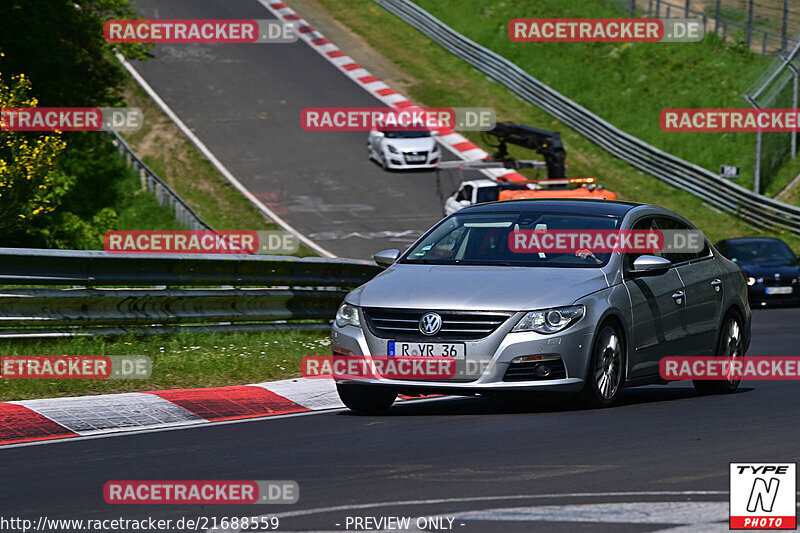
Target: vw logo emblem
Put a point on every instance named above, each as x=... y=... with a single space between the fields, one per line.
x=777 y=275
x=430 y=323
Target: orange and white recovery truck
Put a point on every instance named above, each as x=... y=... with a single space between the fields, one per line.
x=491 y=189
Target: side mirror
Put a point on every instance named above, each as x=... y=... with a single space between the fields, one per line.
x=378 y=134
x=386 y=258
x=650 y=265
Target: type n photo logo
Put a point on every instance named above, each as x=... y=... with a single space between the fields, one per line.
x=763 y=496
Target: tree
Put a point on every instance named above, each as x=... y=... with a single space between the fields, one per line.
x=59 y=45
x=29 y=185
x=56 y=55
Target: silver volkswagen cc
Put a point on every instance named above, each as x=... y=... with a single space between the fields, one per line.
x=587 y=324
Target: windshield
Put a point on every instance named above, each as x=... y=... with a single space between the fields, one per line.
x=406 y=134
x=760 y=252
x=482 y=239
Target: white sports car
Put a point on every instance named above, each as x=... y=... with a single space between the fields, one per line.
x=403 y=149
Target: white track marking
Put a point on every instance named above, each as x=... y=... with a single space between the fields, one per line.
x=111 y=413
x=310 y=393
x=200 y=424
x=218 y=165
x=405 y=503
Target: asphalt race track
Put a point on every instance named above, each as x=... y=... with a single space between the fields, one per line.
x=542 y=467
x=657 y=462
x=244 y=102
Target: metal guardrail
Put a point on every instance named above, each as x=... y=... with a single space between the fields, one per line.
x=150 y=181
x=208 y=292
x=759 y=210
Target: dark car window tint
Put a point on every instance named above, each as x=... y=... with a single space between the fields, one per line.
x=488 y=194
x=762 y=251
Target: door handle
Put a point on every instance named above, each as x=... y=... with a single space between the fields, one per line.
x=678 y=297
x=717 y=283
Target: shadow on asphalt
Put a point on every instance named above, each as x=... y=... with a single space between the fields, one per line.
x=533 y=404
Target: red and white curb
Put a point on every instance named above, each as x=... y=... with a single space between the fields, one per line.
x=83 y=416
x=455 y=142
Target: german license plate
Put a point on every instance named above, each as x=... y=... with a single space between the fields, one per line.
x=415 y=158
x=779 y=290
x=426 y=349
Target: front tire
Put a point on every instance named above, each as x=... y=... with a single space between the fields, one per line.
x=606 y=373
x=730 y=346
x=366 y=399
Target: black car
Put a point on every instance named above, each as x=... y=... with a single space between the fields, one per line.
x=771 y=268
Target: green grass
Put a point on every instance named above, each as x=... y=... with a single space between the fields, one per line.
x=627 y=84
x=439 y=79
x=139 y=209
x=184 y=360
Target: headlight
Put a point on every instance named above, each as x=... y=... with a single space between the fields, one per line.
x=751 y=281
x=347 y=315
x=435 y=148
x=550 y=320
x=392 y=149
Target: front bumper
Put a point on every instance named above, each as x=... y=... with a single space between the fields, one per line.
x=492 y=354
x=758 y=297
x=400 y=160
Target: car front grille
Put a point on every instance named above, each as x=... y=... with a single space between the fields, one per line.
x=403 y=324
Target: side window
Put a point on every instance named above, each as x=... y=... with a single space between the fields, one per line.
x=646 y=223
x=465 y=194
x=679 y=257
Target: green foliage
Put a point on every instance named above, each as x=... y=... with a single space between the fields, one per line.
x=58 y=57
x=59 y=44
x=29 y=189
x=627 y=84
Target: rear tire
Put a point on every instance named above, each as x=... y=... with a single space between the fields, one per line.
x=730 y=346
x=606 y=373
x=366 y=399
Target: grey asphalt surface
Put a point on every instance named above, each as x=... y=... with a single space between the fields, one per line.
x=244 y=102
x=442 y=456
x=661 y=441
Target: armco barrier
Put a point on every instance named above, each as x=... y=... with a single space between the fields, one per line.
x=110 y=293
x=165 y=195
x=759 y=210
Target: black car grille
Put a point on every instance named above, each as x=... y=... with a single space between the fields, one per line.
x=535 y=370
x=403 y=324
x=770 y=281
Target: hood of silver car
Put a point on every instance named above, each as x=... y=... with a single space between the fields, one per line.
x=479 y=288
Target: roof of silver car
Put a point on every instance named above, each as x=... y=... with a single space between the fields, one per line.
x=556 y=205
